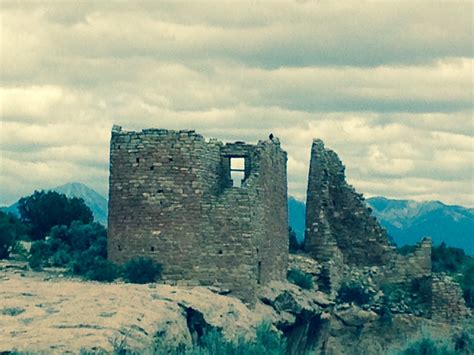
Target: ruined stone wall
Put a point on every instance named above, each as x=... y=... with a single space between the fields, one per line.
x=337 y=217
x=171 y=199
x=403 y=269
x=447 y=300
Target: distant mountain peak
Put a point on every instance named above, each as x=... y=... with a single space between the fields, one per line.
x=407 y=221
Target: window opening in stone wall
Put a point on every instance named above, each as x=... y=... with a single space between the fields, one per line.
x=237 y=171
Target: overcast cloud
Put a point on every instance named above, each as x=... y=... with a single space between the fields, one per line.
x=387 y=84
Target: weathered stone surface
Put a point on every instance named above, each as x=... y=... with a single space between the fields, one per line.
x=286 y=297
x=446 y=300
x=352 y=247
x=337 y=218
x=171 y=199
x=355 y=316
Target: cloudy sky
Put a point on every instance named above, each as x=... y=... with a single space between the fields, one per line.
x=388 y=85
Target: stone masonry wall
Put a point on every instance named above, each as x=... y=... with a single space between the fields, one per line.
x=403 y=269
x=337 y=217
x=342 y=235
x=447 y=299
x=171 y=199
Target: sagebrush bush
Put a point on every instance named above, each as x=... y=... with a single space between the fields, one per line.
x=428 y=346
x=40 y=253
x=141 y=270
x=102 y=270
x=353 y=292
x=300 y=279
x=11 y=231
x=267 y=342
x=81 y=247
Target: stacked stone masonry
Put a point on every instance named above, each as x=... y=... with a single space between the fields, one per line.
x=172 y=199
x=176 y=198
x=446 y=299
x=345 y=238
x=337 y=218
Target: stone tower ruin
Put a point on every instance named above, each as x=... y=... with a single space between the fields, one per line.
x=338 y=222
x=345 y=238
x=210 y=213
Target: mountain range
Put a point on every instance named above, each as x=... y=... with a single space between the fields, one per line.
x=406 y=221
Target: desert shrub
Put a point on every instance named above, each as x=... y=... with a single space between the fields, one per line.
x=467 y=284
x=7 y=240
x=12 y=311
x=464 y=342
x=428 y=346
x=40 y=252
x=213 y=342
x=300 y=278
x=353 y=292
x=447 y=259
x=11 y=230
x=78 y=238
x=81 y=247
x=141 y=270
x=60 y=258
x=102 y=270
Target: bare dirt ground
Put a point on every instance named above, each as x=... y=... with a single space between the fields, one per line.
x=51 y=313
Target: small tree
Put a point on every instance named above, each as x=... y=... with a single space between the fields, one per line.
x=141 y=270
x=40 y=253
x=11 y=230
x=43 y=210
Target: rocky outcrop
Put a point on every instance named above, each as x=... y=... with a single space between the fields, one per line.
x=355 y=316
x=303 y=316
x=47 y=312
x=50 y=313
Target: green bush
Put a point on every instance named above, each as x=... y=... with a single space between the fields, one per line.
x=40 y=252
x=141 y=270
x=11 y=230
x=428 y=346
x=300 y=278
x=447 y=259
x=353 y=292
x=61 y=258
x=213 y=342
x=464 y=342
x=80 y=247
x=102 y=270
x=46 y=209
